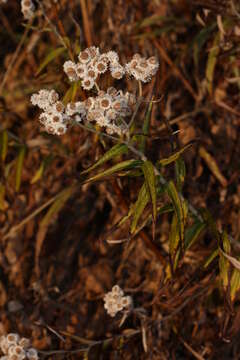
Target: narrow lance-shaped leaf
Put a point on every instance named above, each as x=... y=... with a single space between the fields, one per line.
x=150 y=179
x=232 y=260
x=180 y=172
x=124 y=165
x=57 y=205
x=19 y=167
x=160 y=210
x=115 y=151
x=174 y=236
x=211 y=63
x=40 y=171
x=210 y=259
x=235 y=284
x=145 y=128
x=141 y=203
x=193 y=233
x=224 y=262
x=49 y=58
x=173 y=157
x=177 y=204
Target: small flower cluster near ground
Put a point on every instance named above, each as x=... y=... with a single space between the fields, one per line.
x=14 y=347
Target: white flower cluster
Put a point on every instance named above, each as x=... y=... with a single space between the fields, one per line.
x=141 y=68
x=15 y=348
x=27 y=8
x=115 y=301
x=53 y=117
x=92 y=63
x=108 y=108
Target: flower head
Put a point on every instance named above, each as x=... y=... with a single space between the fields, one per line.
x=115 y=301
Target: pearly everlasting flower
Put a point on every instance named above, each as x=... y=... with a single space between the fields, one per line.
x=142 y=69
x=70 y=68
x=117 y=71
x=54 y=117
x=112 y=57
x=87 y=83
x=74 y=108
x=15 y=348
x=27 y=8
x=115 y=301
x=44 y=99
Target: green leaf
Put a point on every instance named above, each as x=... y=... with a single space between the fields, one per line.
x=180 y=172
x=4 y=145
x=235 y=284
x=124 y=165
x=116 y=150
x=193 y=233
x=223 y=262
x=145 y=128
x=178 y=207
x=174 y=237
x=40 y=171
x=150 y=179
x=141 y=203
x=207 y=217
x=200 y=40
x=174 y=156
x=57 y=205
x=213 y=255
x=49 y=58
x=160 y=210
x=19 y=167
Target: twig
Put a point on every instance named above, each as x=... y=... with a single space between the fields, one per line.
x=86 y=23
x=15 y=56
x=234 y=9
x=52 y=25
x=176 y=70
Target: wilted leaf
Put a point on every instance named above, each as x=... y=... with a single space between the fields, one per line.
x=116 y=150
x=231 y=259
